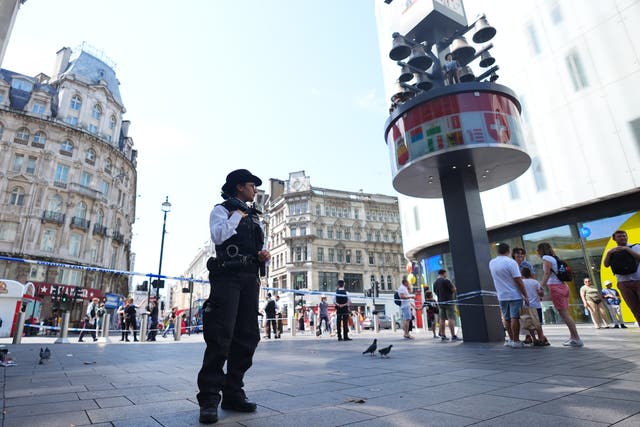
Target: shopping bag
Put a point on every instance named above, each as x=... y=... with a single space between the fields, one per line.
x=529 y=319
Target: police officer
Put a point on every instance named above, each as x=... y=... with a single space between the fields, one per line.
x=230 y=320
x=343 y=313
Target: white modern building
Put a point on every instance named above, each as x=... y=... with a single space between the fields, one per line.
x=575 y=66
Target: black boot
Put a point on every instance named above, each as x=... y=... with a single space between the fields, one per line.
x=208 y=415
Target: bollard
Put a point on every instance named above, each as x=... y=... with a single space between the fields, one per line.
x=292 y=325
x=17 y=337
x=177 y=331
x=64 y=331
x=425 y=324
x=393 y=323
x=104 y=336
x=356 y=321
x=143 y=327
x=376 y=325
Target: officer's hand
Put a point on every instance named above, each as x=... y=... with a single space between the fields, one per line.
x=264 y=256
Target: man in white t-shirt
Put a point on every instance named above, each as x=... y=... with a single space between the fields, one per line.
x=405 y=306
x=512 y=293
x=628 y=284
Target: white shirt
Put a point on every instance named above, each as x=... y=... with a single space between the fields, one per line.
x=632 y=276
x=553 y=279
x=532 y=286
x=222 y=225
x=503 y=271
x=403 y=291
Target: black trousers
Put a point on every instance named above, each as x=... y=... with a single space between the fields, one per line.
x=231 y=332
x=343 y=318
x=89 y=328
x=271 y=326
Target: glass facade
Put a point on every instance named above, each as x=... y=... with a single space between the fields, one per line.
x=581 y=244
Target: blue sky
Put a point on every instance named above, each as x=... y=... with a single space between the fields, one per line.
x=211 y=86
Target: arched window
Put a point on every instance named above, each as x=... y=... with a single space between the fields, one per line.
x=112 y=122
x=99 y=217
x=66 y=147
x=76 y=102
x=81 y=210
x=90 y=156
x=22 y=136
x=39 y=137
x=96 y=113
x=16 y=197
x=55 y=203
x=108 y=166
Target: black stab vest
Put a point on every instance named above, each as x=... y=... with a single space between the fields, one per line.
x=249 y=237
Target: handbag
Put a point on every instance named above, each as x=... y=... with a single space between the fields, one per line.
x=529 y=318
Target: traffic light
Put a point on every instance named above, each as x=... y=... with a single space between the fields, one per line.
x=158 y=284
x=54 y=292
x=77 y=293
x=162 y=305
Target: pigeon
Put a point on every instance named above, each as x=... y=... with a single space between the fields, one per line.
x=45 y=354
x=384 y=352
x=372 y=348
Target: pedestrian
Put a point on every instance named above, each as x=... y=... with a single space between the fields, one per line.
x=278 y=316
x=406 y=298
x=323 y=312
x=612 y=298
x=519 y=254
x=450 y=69
x=511 y=291
x=535 y=292
x=270 y=314
x=100 y=317
x=153 y=316
x=230 y=322
x=628 y=279
x=445 y=291
x=120 y=313
x=130 y=320
x=559 y=292
x=343 y=313
x=172 y=318
x=592 y=301
x=90 y=319
x=432 y=311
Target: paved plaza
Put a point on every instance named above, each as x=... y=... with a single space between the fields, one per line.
x=304 y=381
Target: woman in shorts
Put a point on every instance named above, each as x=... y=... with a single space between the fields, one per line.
x=559 y=292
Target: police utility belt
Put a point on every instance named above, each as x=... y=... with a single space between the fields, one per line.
x=232 y=260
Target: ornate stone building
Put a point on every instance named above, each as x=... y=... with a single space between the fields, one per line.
x=67 y=179
x=317 y=236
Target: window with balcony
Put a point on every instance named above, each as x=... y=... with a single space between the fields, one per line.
x=90 y=156
x=39 y=139
x=22 y=136
x=16 y=197
x=66 y=147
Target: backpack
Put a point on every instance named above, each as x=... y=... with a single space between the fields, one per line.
x=623 y=263
x=396 y=299
x=271 y=307
x=564 y=273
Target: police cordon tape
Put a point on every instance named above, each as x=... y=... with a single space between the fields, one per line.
x=461 y=297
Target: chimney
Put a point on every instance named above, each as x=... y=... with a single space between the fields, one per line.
x=62 y=62
x=125 y=128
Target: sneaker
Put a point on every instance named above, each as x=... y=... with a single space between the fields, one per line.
x=616 y=327
x=573 y=343
x=454 y=338
x=443 y=338
x=517 y=344
x=507 y=343
x=623 y=326
x=409 y=337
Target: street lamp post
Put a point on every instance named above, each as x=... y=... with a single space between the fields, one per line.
x=166 y=208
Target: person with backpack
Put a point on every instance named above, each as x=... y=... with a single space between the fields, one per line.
x=624 y=261
x=555 y=273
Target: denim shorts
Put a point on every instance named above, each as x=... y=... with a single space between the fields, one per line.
x=511 y=309
x=406 y=313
